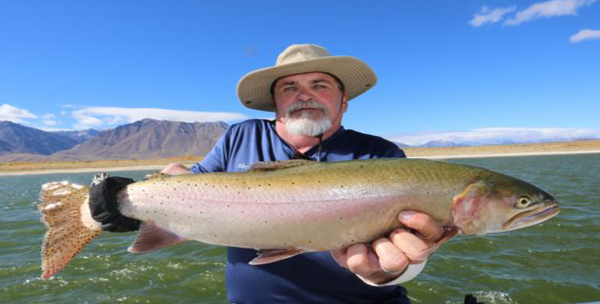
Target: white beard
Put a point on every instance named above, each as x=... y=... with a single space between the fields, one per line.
x=305 y=124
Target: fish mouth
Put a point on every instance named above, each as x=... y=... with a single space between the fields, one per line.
x=532 y=217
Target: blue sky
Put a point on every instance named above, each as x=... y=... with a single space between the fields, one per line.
x=448 y=70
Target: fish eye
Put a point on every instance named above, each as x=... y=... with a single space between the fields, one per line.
x=523 y=202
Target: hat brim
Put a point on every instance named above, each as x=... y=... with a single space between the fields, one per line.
x=254 y=88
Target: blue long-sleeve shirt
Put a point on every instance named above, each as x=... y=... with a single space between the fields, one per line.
x=310 y=277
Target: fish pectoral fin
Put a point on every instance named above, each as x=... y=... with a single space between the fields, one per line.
x=266 y=256
x=278 y=165
x=152 y=237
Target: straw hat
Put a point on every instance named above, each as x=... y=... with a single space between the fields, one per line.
x=254 y=88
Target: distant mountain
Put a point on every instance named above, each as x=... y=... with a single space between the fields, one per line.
x=16 y=138
x=401 y=145
x=147 y=139
x=4 y=146
x=79 y=136
x=440 y=143
x=23 y=157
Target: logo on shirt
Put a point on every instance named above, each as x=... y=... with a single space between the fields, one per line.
x=243 y=166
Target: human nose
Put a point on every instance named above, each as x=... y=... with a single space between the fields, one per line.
x=304 y=94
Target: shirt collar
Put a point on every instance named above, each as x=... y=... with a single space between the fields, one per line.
x=325 y=143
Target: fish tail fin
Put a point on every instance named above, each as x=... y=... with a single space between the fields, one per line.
x=67 y=217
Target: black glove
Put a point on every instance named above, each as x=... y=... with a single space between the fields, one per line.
x=103 y=203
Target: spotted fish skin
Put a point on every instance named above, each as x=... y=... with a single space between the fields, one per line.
x=70 y=222
x=299 y=206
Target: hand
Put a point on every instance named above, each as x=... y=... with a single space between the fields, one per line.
x=387 y=258
x=175 y=169
x=103 y=203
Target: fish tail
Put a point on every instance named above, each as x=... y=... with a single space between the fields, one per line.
x=65 y=212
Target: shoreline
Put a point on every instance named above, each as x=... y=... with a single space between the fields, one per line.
x=513 y=154
x=84 y=170
x=158 y=167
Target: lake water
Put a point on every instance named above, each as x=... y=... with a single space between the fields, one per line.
x=555 y=262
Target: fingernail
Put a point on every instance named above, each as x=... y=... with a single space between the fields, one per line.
x=407 y=215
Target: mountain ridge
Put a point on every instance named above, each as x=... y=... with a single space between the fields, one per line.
x=17 y=138
x=144 y=139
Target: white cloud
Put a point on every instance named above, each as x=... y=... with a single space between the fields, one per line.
x=585 y=34
x=49 y=120
x=553 y=8
x=488 y=15
x=86 y=121
x=490 y=136
x=97 y=116
x=14 y=114
x=51 y=129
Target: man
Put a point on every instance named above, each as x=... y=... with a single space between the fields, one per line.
x=309 y=90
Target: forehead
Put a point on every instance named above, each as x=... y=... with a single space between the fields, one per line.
x=311 y=76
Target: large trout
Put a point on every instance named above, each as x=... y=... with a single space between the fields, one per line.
x=286 y=208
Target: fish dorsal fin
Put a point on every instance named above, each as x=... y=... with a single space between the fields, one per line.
x=154 y=175
x=266 y=256
x=278 y=165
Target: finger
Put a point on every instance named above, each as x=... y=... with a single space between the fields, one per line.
x=340 y=256
x=429 y=230
x=415 y=249
x=391 y=259
x=358 y=259
x=175 y=169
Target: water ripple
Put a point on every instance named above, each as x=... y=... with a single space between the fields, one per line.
x=555 y=262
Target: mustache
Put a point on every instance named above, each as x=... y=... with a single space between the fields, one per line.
x=306 y=104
